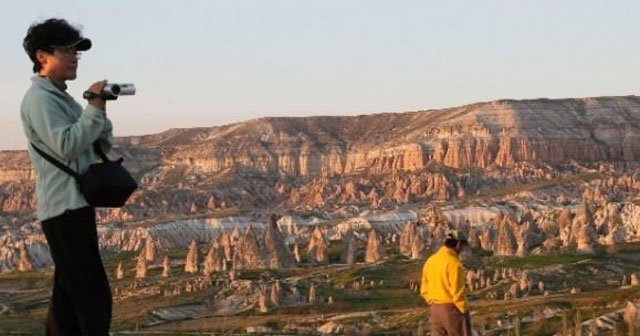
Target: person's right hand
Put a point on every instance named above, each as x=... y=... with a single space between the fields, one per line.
x=98 y=101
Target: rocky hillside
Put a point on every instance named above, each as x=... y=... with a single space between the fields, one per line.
x=373 y=161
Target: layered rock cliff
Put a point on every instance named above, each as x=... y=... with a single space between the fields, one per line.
x=319 y=162
x=492 y=158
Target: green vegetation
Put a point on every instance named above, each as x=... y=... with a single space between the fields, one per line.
x=538 y=261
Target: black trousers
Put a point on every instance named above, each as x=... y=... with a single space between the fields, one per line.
x=81 y=299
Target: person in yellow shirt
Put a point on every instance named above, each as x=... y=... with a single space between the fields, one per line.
x=442 y=287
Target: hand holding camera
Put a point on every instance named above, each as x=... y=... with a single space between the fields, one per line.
x=99 y=92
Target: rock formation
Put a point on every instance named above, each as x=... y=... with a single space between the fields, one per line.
x=24 y=264
x=583 y=229
x=317 y=250
x=277 y=252
x=191 y=262
x=296 y=253
x=375 y=250
x=276 y=294
x=214 y=260
x=418 y=246
x=506 y=244
x=166 y=267
x=263 y=305
x=406 y=238
x=349 y=248
x=248 y=253
x=119 y=271
x=141 y=265
x=225 y=244
x=312 y=293
x=150 y=249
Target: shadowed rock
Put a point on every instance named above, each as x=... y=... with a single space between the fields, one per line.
x=248 y=253
x=349 y=248
x=277 y=253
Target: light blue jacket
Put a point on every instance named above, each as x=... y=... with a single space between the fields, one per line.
x=56 y=124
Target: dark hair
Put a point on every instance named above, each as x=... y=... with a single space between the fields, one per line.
x=44 y=35
x=451 y=243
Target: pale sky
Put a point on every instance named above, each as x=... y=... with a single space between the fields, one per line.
x=210 y=63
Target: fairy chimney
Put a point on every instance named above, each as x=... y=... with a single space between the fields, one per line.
x=312 y=293
x=317 y=251
x=150 y=249
x=634 y=279
x=276 y=294
x=119 y=271
x=191 y=262
x=417 y=246
x=213 y=261
x=24 y=263
x=263 y=305
x=487 y=238
x=296 y=253
x=166 y=267
x=235 y=236
x=248 y=253
x=375 y=250
x=278 y=254
x=349 y=248
x=505 y=244
x=406 y=238
x=141 y=266
x=584 y=230
x=225 y=244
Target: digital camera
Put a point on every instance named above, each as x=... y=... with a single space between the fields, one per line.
x=112 y=91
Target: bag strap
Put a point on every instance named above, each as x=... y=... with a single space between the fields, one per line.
x=63 y=167
x=57 y=163
x=102 y=155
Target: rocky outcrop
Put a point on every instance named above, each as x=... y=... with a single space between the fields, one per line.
x=191 y=261
x=317 y=250
x=119 y=271
x=418 y=246
x=506 y=244
x=24 y=263
x=166 y=267
x=407 y=236
x=375 y=250
x=349 y=248
x=141 y=265
x=296 y=253
x=248 y=253
x=150 y=249
x=331 y=162
x=226 y=246
x=214 y=260
x=277 y=252
x=312 y=294
x=583 y=229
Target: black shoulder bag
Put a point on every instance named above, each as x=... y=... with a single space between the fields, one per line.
x=105 y=184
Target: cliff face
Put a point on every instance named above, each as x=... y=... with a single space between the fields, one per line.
x=321 y=162
x=501 y=132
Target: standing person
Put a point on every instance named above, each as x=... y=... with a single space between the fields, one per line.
x=443 y=288
x=56 y=124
